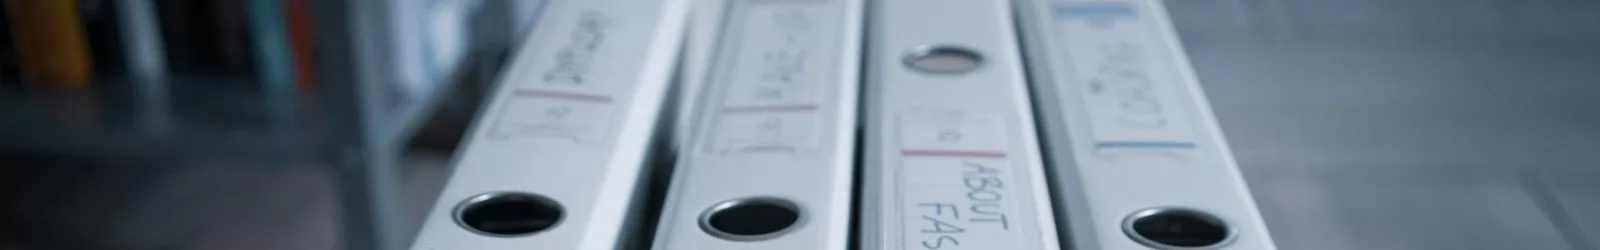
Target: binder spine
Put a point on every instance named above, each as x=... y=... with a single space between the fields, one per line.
x=1139 y=161
x=951 y=158
x=770 y=165
x=556 y=158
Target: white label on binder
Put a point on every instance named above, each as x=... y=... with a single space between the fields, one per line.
x=959 y=203
x=1133 y=105
x=951 y=133
x=572 y=60
x=771 y=101
x=564 y=103
x=956 y=183
x=581 y=118
x=766 y=132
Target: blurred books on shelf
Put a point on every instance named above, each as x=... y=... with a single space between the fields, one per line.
x=49 y=42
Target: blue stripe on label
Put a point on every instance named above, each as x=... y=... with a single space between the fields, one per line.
x=1094 y=10
x=1144 y=144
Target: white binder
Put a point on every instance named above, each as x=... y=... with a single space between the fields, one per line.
x=1139 y=160
x=770 y=164
x=699 y=48
x=556 y=159
x=951 y=159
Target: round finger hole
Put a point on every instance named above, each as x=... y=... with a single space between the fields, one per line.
x=1177 y=228
x=750 y=219
x=943 y=59
x=506 y=214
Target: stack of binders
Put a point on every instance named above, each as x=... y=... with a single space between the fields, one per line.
x=1124 y=152
x=557 y=159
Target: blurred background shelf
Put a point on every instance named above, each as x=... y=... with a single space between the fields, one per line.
x=201 y=117
x=235 y=124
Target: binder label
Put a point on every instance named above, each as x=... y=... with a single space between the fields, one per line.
x=949 y=133
x=573 y=58
x=955 y=183
x=1123 y=78
x=581 y=118
x=778 y=131
x=566 y=102
x=783 y=57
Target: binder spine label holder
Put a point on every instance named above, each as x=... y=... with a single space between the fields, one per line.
x=955 y=183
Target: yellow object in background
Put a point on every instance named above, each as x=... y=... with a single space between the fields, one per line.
x=50 y=41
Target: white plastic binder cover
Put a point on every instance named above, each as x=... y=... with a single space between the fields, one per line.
x=555 y=160
x=1140 y=161
x=952 y=158
x=771 y=161
x=700 y=42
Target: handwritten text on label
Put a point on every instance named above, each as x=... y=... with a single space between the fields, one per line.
x=573 y=60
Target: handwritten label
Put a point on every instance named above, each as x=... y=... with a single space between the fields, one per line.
x=575 y=56
x=956 y=188
x=778 y=75
x=1125 y=79
x=564 y=103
